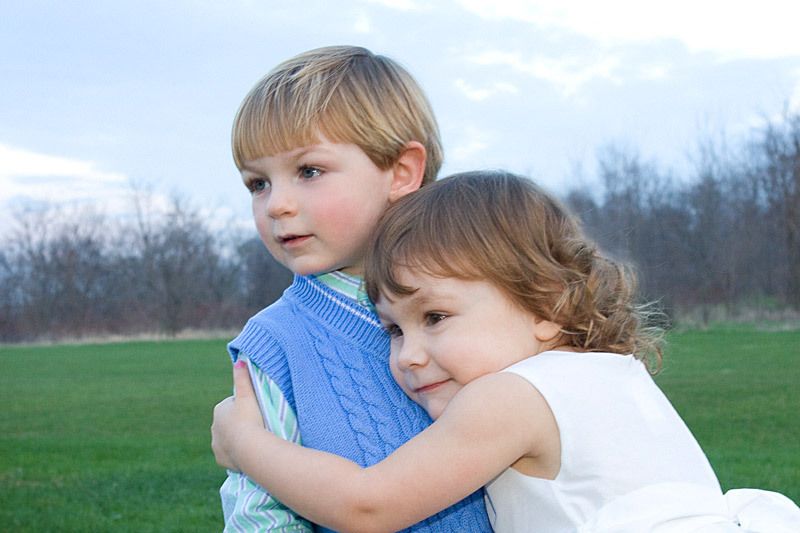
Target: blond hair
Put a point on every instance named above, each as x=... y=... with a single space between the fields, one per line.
x=502 y=228
x=346 y=93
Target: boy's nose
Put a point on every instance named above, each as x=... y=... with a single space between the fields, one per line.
x=281 y=202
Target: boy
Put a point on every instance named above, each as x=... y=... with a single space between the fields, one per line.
x=325 y=142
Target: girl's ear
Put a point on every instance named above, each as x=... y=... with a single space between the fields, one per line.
x=546 y=331
x=408 y=171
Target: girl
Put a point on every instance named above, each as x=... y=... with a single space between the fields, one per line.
x=525 y=346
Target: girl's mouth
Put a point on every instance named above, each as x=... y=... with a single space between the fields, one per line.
x=430 y=387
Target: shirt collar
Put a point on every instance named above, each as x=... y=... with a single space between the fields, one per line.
x=348 y=285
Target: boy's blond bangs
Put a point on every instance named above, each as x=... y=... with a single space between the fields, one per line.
x=259 y=131
x=346 y=94
x=278 y=121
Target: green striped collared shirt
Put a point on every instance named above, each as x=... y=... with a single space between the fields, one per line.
x=246 y=506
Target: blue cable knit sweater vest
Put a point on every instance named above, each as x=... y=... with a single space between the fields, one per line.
x=329 y=356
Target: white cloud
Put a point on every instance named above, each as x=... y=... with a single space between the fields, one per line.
x=21 y=163
x=29 y=175
x=477 y=95
x=568 y=73
x=764 y=29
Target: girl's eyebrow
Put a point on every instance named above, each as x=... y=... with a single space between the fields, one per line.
x=419 y=297
x=414 y=300
x=429 y=298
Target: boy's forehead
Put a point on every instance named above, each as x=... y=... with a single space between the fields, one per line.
x=318 y=145
x=297 y=151
x=292 y=143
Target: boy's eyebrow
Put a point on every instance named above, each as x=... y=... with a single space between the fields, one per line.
x=247 y=168
x=293 y=154
x=303 y=150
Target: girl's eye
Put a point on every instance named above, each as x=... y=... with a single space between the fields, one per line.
x=431 y=319
x=309 y=172
x=393 y=330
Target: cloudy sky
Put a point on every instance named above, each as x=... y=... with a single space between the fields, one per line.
x=98 y=95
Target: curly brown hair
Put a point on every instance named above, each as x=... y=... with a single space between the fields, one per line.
x=504 y=229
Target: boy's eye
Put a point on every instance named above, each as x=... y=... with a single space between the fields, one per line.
x=309 y=172
x=257 y=185
x=431 y=319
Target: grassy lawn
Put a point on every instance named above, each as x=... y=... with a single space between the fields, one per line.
x=110 y=437
x=737 y=389
x=115 y=436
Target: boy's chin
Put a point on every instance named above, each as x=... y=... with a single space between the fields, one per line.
x=353 y=271
x=309 y=268
x=316 y=271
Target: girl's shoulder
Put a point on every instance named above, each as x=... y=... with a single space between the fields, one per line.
x=494 y=392
x=504 y=407
x=576 y=363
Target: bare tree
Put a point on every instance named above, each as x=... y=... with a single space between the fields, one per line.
x=263 y=278
x=779 y=168
x=185 y=279
x=726 y=233
x=53 y=264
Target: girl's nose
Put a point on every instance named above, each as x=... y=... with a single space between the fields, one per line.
x=410 y=354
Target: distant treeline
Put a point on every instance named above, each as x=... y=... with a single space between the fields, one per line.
x=726 y=234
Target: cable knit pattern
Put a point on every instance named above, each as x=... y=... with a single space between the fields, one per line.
x=329 y=357
x=348 y=381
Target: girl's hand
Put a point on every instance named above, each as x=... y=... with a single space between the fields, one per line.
x=235 y=417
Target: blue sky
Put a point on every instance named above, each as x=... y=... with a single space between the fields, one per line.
x=98 y=95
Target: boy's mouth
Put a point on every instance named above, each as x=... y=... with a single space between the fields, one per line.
x=292 y=240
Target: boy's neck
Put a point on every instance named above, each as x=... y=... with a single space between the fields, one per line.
x=349 y=285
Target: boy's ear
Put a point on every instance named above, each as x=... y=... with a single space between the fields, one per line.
x=408 y=170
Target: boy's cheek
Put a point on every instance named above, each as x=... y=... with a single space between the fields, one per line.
x=265 y=234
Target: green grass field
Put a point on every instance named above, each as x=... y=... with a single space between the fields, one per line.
x=115 y=436
x=738 y=390
x=110 y=437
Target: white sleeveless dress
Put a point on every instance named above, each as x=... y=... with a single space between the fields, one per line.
x=628 y=461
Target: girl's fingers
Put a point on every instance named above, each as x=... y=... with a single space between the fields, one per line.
x=242 y=386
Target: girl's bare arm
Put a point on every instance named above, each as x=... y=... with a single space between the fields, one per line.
x=488 y=425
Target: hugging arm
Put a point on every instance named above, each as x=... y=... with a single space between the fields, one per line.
x=245 y=504
x=488 y=426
